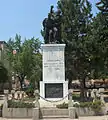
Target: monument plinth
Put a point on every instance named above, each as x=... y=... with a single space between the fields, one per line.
x=53 y=87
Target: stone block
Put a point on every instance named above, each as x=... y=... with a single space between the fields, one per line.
x=84 y=111
x=35 y=115
x=72 y=112
x=19 y=112
x=54 y=112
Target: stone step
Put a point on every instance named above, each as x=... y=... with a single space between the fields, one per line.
x=53 y=117
x=1 y=97
x=54 y=113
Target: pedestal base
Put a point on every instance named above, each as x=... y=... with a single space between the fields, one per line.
x=54 y=92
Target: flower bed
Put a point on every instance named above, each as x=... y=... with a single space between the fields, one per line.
x=19 y=104
x=18 y=109
x=86 y=108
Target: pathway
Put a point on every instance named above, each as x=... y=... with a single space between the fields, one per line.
x=81 y=118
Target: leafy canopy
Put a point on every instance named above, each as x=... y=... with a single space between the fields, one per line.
x=27 y=59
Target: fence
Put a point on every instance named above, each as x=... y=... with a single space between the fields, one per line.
x=15 y=95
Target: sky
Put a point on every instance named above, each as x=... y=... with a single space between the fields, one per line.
x=25 y=17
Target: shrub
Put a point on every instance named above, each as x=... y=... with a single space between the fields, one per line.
x=30 y=90
x=85 y=104
x=97 y=106
x=76 y=97
x=19 y=104
x=62 y=106
x=29 y=99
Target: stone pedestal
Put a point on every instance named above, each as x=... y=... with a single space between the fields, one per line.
x=53 y=86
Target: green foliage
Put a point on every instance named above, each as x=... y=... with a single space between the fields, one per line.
x=76 y=97
x=29 y=99
x=62 y=106
x=102 y=5
x=76 y=16
x=76 y=19
x=86 y=41
x=30 y=90
x=27 y=60
x=84 y=104
x=19 y=104
x=97 y=47
x=3 y=74
x=96 y=106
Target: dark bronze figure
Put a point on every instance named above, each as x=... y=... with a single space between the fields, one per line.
x=52 y=27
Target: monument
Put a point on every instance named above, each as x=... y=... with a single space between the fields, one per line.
x=52 y=27
x=53 y=87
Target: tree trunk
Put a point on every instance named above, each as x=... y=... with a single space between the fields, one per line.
x=69 y=84
x=10 y=83
x=82 y=91
x=83 y=95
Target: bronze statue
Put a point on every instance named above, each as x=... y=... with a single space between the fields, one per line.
x=52 y=27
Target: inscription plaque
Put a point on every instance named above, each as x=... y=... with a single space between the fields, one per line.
x=53 y=90
x=53 y=64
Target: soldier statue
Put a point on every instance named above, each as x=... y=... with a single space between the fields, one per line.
x=52 y=27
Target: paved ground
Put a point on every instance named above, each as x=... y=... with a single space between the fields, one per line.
x=94 y=118
x=81 y=118
x=40 y=119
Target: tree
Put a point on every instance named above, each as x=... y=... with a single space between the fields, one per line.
x=75 y=25
x=30 y=59
x=103 y=6
x=76 y=18
x=98 y=47
x=26 y=58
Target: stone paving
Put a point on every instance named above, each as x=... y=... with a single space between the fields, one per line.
x=80 y=118
x=40 y=119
